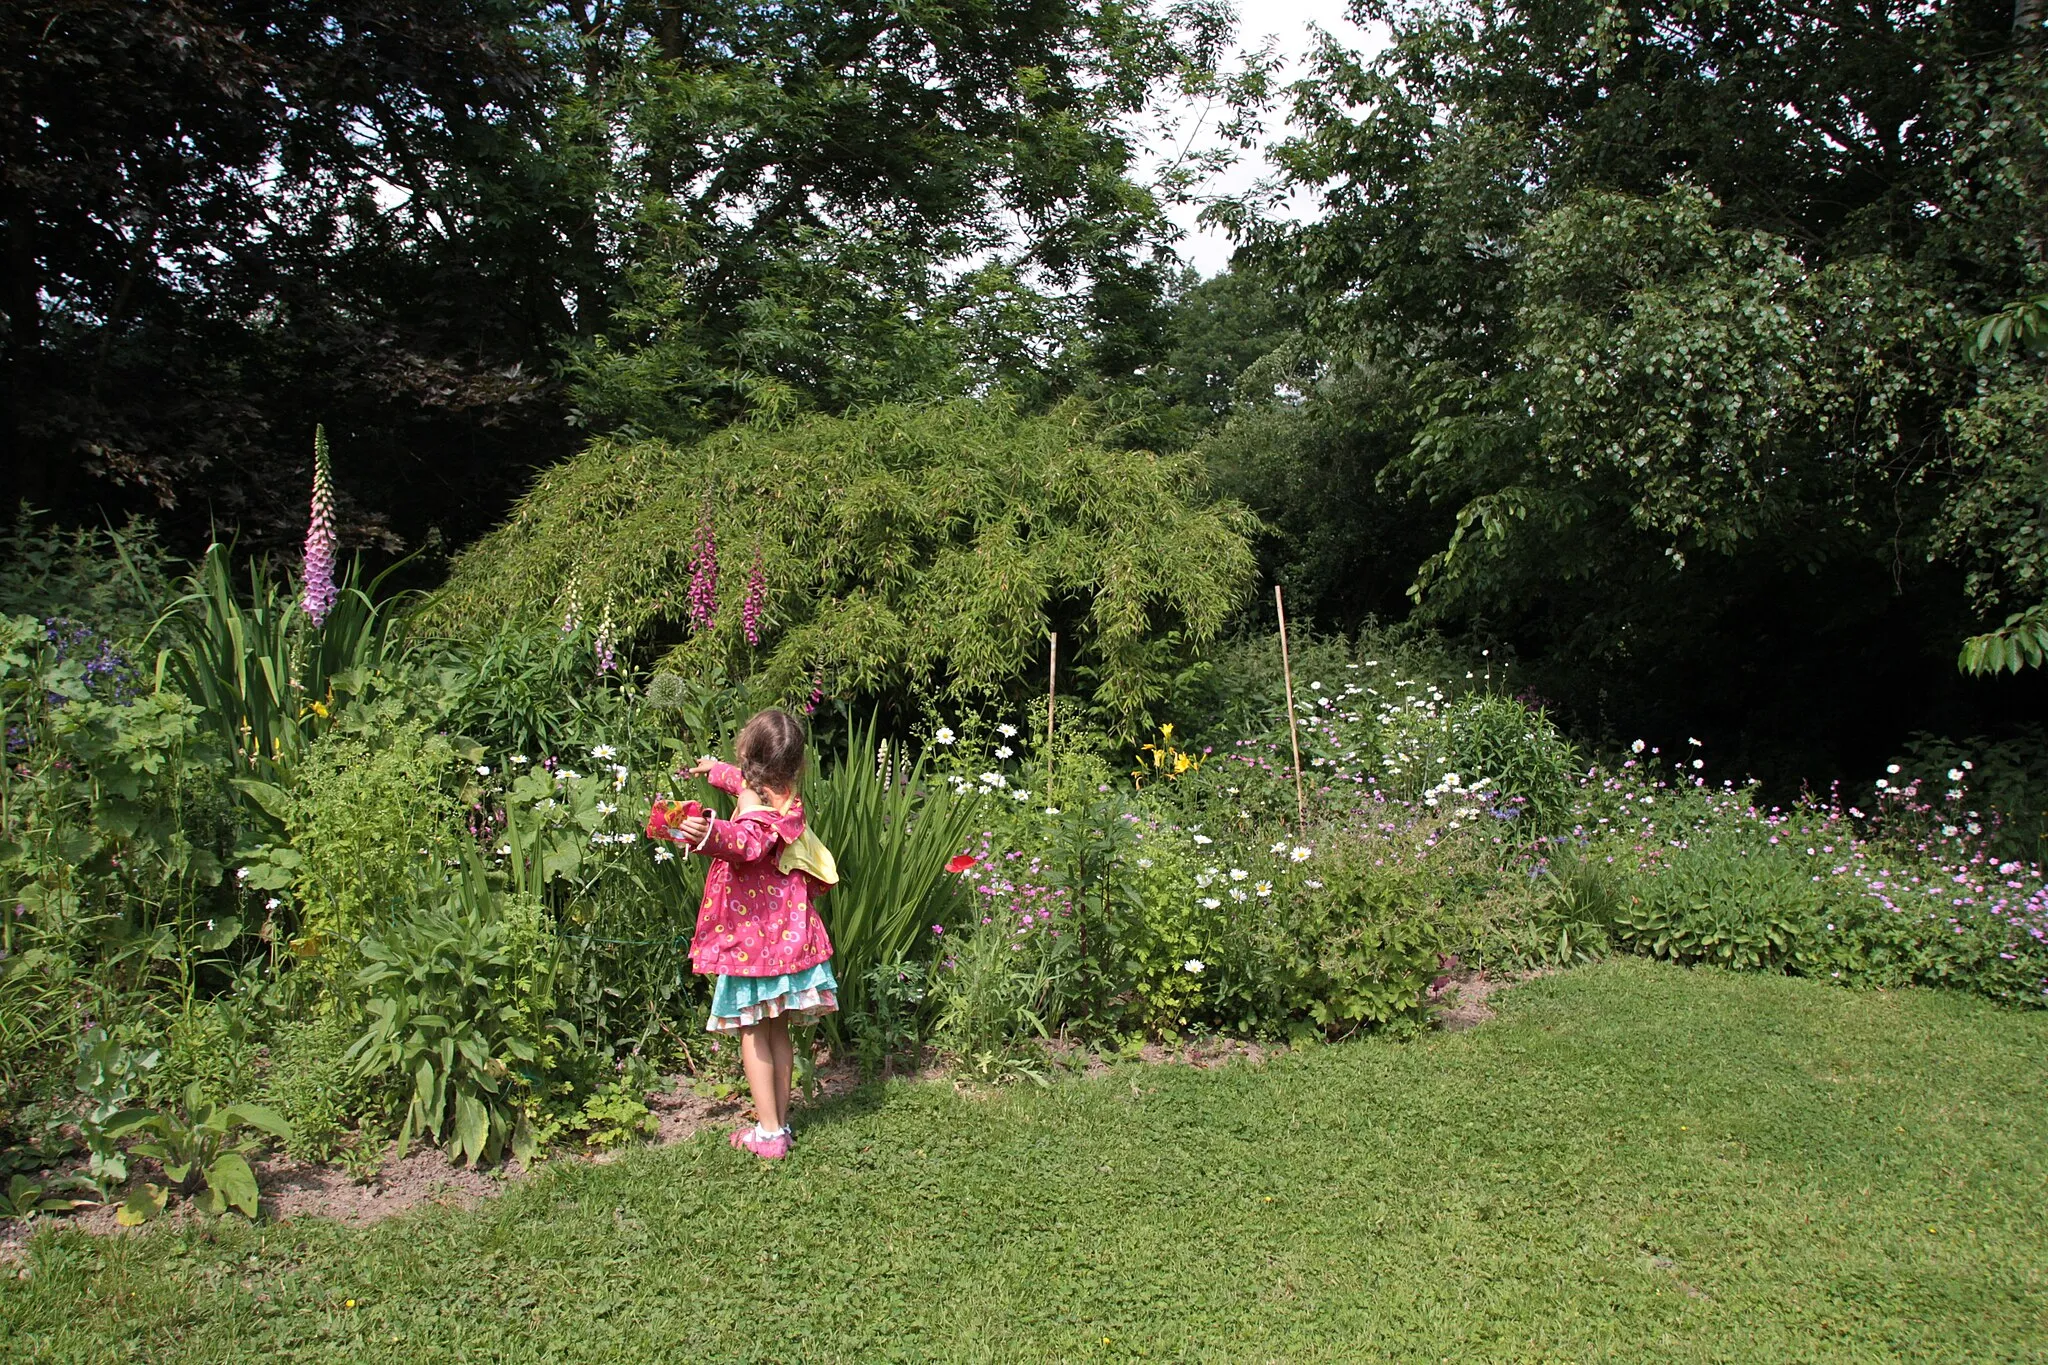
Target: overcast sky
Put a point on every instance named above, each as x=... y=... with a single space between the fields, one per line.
x=1288 y=22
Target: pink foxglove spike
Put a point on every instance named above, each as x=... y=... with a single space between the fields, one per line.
x=320 y=593
x=704 y=574
x=756 y=601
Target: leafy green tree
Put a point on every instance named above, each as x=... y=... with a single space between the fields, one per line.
x=226 y=221
x=1664 y=308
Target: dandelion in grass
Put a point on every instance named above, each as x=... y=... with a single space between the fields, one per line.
x=1004 y=751
x=1262 y=889
x=944 y=735
x=1211 y=903
x=1300 y=853
x=1007 y=730
x=1194 y=966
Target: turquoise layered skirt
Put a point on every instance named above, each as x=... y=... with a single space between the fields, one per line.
x=739 y=1002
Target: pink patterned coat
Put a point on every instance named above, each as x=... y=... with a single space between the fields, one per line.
x=755 y=921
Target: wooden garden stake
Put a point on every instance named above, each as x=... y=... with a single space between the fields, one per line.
x=1052 y=681
x=1293 y=733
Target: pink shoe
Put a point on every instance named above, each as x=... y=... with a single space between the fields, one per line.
x=769 y=1148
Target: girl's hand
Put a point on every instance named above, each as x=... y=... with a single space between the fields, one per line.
x=702 y=769
x=692 y=830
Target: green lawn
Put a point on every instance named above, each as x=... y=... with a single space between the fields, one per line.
x=1633 y=1163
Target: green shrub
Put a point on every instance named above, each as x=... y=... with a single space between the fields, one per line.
x=1725 y=902
x=998 y=989
x=119 y=580
x=533 y=691
x=368 y=824
x=1347 y=941
x=903 y=549
x=210 y=1045
x=310 y=1082
x=1168 y=924
x=460 y=1023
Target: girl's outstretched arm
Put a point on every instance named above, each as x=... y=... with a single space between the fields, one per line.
x=723 y=776
x=739 y=841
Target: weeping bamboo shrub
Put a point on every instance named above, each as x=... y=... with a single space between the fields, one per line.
x=927 y=547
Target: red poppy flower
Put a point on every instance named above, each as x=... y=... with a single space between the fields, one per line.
x=960 y=862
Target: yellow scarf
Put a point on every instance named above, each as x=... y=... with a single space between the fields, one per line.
x=809 y=854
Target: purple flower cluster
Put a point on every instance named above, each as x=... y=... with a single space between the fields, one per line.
x=704 y=574
x=756 y=600
x=1006 y=895
x=107 y=671
x=320 y=593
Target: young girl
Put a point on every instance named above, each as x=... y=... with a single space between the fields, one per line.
x=759 y=929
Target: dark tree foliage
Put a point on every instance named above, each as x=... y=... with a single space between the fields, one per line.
x=1651 y=318
x=227 y=221
x=222 y=227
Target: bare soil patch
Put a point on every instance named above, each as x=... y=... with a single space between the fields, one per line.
x=1460 y=994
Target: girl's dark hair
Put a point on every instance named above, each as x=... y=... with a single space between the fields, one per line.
x=770 y=749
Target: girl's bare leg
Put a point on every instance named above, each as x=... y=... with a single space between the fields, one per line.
x=757 y=1056
x=778 y=1039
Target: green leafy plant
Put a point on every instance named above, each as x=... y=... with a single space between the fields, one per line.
x=1350 y=948
x=1725 y=902
x=196 y=1143
x=260 y=671
x=617 y=1113
x=24 y=1199
x=892 y=827
x=109 y=1075
x=368 y=821
x=458 y=1001
x=310 y=1083
x=994 y=995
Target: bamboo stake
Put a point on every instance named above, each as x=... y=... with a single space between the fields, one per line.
x=1052 y=680
x=1293 y=733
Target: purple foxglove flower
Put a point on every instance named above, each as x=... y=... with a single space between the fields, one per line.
x=756 y=599
x=704 y=574
x=320 y=592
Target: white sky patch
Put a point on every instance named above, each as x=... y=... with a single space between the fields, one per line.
x=1288 y=23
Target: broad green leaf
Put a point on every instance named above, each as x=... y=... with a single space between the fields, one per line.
x=230 y=1177
x=472 y=1128
x=257 y=1116
x=142 y=1205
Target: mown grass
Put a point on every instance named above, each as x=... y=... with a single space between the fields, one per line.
x=1633 y=1163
